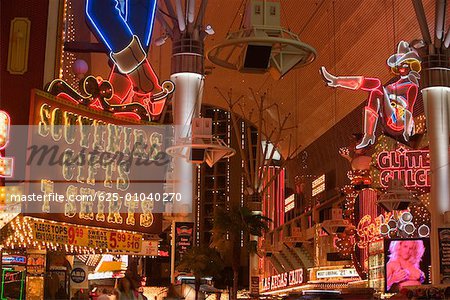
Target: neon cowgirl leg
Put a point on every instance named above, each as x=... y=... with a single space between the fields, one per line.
x=107 y=21
x=116 y=30
x=140 y=18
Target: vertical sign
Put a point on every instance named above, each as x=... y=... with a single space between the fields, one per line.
x=254 y=286
x=184 y=238
x=6 y=163
x=444 y=251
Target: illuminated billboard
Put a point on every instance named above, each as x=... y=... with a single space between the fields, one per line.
x=407 y=263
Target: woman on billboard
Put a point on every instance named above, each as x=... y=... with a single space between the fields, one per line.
x=403 y=267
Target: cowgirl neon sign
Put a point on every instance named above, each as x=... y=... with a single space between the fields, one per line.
x=125 y=28
x=395 y=102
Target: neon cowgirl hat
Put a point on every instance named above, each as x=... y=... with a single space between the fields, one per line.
x=404 y=53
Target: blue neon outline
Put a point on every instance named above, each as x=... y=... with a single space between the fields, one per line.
x=152 y=23
x=88 y=2
x=127 y=9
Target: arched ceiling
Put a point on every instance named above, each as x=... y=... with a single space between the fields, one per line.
x=352 y=37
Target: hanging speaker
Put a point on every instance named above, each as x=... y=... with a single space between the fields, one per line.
x=197 y=155
x=257 y=57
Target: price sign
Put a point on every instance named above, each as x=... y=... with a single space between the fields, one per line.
x=77 y=236
x=125 y=241
x=86 y=237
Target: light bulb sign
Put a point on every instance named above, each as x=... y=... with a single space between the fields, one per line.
x=88 y=167
x=410 y=166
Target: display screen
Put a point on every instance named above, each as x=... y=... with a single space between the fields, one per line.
x=407 y=263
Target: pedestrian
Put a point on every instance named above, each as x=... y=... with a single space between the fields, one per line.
x=104 y=295
x=127 y=290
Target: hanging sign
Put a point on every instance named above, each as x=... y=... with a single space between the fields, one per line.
x=337 y=273
x=184 y=238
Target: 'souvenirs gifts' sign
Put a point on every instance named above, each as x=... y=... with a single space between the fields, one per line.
x=85 y=166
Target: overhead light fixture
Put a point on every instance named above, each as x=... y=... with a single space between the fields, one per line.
x=209 y=30
x=161 y=40
x=397 y=197
x=202 y=146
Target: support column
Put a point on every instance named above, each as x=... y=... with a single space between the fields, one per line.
x=186 y=105
x=436 y=100
x=187 y=75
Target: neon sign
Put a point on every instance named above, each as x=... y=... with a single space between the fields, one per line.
x=125 y=28
x=14 y=260
x=410 y=166
x=395 y=102
x=99 y=164
x=368 y=231
x=101 y=136
x=6 y=163
x=282 y=280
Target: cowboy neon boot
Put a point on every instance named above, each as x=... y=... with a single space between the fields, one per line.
x=132 y=61
x=122 y=87
x=370 y=123
x=348 y=82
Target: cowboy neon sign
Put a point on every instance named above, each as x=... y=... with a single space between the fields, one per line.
x=393 y=102
x=410 y=166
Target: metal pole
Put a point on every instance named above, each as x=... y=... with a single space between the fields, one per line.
x=436 y=103
x=172 y=254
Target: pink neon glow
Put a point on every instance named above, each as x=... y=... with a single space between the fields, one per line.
x=5 y=123
x=128 y=115
x=96 y=104
x=413 y=167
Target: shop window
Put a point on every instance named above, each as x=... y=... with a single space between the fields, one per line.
x=325 y=214
x=257 y=9
x=273 y=10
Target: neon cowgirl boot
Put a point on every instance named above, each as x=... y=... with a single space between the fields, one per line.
x=370 y=124
x=132 y=61
x=348 y=82
x=122 y=86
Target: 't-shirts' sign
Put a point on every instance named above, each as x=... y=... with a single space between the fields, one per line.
x=282 y=280
x=410 y=166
